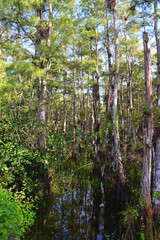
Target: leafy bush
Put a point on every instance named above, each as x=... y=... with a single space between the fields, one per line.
x=20 y=168
x=15 y=217
x=156 y=194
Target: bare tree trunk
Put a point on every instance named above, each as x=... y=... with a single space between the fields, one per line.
x=130 y=102
x=129 y=84
x=74 y=96
x=117 y=156
x=64 y=102
x=148 y=134
x=120 y=187
x=43 y=86
x=40 y=88
x=89 y=75
x=43 y=115
x=156 y=201
x=108 y=103
x=87 y=109
x=128 y=125
x=96 y=107
x=56 y=120
x=82 y=100
x=108 y=99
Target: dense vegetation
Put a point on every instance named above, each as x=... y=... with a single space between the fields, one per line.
x=76 y=87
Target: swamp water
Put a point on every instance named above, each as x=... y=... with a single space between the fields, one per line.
x=81 y=210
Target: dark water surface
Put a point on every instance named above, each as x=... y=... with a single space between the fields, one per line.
x=83 y=210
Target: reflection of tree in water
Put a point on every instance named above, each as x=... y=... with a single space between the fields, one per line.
x=82 y=212
x=112 y=214
x=96 y=202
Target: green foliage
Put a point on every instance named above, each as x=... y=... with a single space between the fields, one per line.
x=59 y=143
x=134 y=175
x=129 y=216
x=15 y=217
x=142 y=203
x=156 y=120
x=137 y=146
x=109 y=236
x=79 y=45
x=132 y=219
x=20 y=165
x=156 y=194
x=136 y=118
x=142 y=236
x=20 y=169
x=109 y=126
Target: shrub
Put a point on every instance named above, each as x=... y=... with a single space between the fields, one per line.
x=15 y=217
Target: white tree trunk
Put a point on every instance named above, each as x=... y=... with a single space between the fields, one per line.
x=43 y=89
x=117 y=156
x=148 y=135
x=148 y=130
x=64 y=102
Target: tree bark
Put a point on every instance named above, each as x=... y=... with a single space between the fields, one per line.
x=43 y=84
x=82 y=100
x=96 y=107
x=117 y=156
x=108 y=99
x=148 y=134
x=64 y=102
x=120 y=185
x=74 y=97
x=108 y=104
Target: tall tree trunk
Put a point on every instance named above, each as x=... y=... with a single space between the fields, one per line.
x=64 y=102
x=156 y=201
x=43 y=85
x=128 y=127
x=82 y=100
x=108 y=98
x=74 y=98
x=108 y=103
x=117 y=155
x=96 y=107
x=129 y=85
x=96 y=114
x=148 y=134
x=43 y=114
x=120 y=187
x=89 y=100
x=89 y=76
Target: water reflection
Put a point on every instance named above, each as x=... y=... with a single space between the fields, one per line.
x=82 y=212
